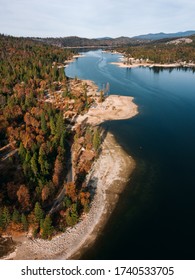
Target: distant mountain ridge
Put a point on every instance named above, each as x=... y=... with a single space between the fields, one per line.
x=161 y=35
x=78 y=42
x=104 y=38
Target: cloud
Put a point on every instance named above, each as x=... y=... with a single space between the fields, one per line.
x=90 y=18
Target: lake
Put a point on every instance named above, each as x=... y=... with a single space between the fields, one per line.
x=155 y=216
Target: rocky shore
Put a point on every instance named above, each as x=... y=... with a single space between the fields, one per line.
x=108 y=178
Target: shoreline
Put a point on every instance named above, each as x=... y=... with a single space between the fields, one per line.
x=114 y=107
x=107 y=187
x=67 y=62
x=135 y=63
x=151 y=65
x=74 y=241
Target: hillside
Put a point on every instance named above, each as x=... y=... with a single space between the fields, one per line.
x=76 y=42
x=161 y=35
x=164 y=51
x=37 y=106
x=107 y=42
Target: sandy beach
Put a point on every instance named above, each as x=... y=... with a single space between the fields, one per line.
x=114 y=107
x=151 y=65
x=108 y=177
x=66 y=62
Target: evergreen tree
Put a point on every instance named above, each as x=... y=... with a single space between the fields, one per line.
x=47 y=228
x=1 y=218
x=27 y=102
x=28 y=157
x=6 y=217
x=52 y=126
x=26 y=165
x=72 y=215
x=34 y=147
x=34 y=164
x=43 y=161
x=60 y=125
x=39 y=214
x=62 y=140
x=67 y=202
x=96 y=139
x=43 y=123
x=16 y=216
x=22 y=152
x=24 y=222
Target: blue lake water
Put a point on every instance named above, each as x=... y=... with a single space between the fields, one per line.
x=155 y=216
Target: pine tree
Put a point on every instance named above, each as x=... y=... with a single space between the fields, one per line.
x=43 y=161
x=6 y=217
x=47 y=228
x=60 y=125
x=34 y=147
x=24 y=222
x=52 y=126
x=67 y=202
x=34 y=164
x=28 y=157
x=43 y=123
x=39 y=214
x=26 y=164
x=62 y=140
x=22 y=152
x=1 y=218
x=72 y=215
x=16 y=216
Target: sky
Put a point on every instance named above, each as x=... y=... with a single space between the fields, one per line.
x=95 y=19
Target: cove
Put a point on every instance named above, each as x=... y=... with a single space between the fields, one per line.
x=154 y=218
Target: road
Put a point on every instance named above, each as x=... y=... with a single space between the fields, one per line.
x=7 y=152
x=69 y=178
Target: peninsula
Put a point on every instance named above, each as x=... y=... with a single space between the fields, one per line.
x=106 y=185
x=57 y=156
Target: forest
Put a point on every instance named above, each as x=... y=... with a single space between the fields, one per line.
x=37 y=140
x=163 y=51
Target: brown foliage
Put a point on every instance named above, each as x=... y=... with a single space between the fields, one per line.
x=27 y=118
x=70 y=190
x=45 y=193
x=13 y=133
x=58 y=167
x=12 y=189
x=84 y=198
x=24 y=197
x=14 y=228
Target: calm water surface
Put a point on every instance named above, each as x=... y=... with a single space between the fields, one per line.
x=155 y=216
